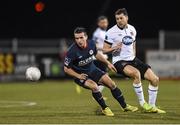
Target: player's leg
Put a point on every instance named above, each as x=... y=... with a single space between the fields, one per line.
x=98 y=97
x=103 y=67
x=147 y=73
x=135 y=74
x=153 y=88
x=89 y=84
x=126 y=68
x=116 y=92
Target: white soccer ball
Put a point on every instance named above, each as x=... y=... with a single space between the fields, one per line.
x=33 y=74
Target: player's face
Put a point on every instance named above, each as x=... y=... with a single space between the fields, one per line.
x=103 y=24
x=121 y=20
x=81 y=39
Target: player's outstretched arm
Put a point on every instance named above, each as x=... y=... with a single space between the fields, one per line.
x=101 y=58
x=108 y=49
x=72 y=73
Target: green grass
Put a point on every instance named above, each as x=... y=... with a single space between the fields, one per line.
x=58 y=102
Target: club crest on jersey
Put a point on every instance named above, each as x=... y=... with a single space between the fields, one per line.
x=127 y=40
x=91 y=52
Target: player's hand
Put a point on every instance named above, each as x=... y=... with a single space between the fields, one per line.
x=111 y=67
x=83 y=76
x=117 y=47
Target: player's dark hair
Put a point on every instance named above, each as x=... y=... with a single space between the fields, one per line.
x=101 y=18
x=121 y=11
x=80 y=30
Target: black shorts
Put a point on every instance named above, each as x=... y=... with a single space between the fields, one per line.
x=94 y=75
x=100 y=65
x=142 y=67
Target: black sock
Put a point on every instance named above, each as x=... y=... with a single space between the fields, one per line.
x=117 y=94
x=98 y=97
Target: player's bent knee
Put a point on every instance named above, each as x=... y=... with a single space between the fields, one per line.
x=113 y=86
x=92 y=85
x=95 y=88
x=107 y=81
x=136 y=74
x=155 y=80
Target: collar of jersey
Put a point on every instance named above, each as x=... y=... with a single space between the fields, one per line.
x=122 y=28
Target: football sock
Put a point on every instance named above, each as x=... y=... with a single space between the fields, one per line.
x=98 y=97
x=139 y=92
x=152 y=95
x=117 y=94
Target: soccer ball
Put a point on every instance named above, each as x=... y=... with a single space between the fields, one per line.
x=33 y=74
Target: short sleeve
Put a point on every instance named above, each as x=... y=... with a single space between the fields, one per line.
x=134 y=33
x=94 y=38
x=69 y=58
x=94 y=47
x=108 y=38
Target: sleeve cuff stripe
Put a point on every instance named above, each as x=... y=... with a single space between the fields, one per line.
x=108 y=42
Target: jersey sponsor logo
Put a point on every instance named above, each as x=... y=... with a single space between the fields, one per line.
x=127 y=40
x=86 y=61
x=67 y=61
x=91 y=52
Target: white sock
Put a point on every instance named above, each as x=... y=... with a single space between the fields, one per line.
x=139 y=92
x=101 y=87
x=152 y=94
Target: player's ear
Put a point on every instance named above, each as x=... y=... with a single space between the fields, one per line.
x=86 y=36
x=127 y=18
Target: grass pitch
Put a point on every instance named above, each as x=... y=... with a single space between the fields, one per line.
x=58 y=102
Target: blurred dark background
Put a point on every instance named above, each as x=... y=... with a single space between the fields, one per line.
x=18 y=18
x=39 y=32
